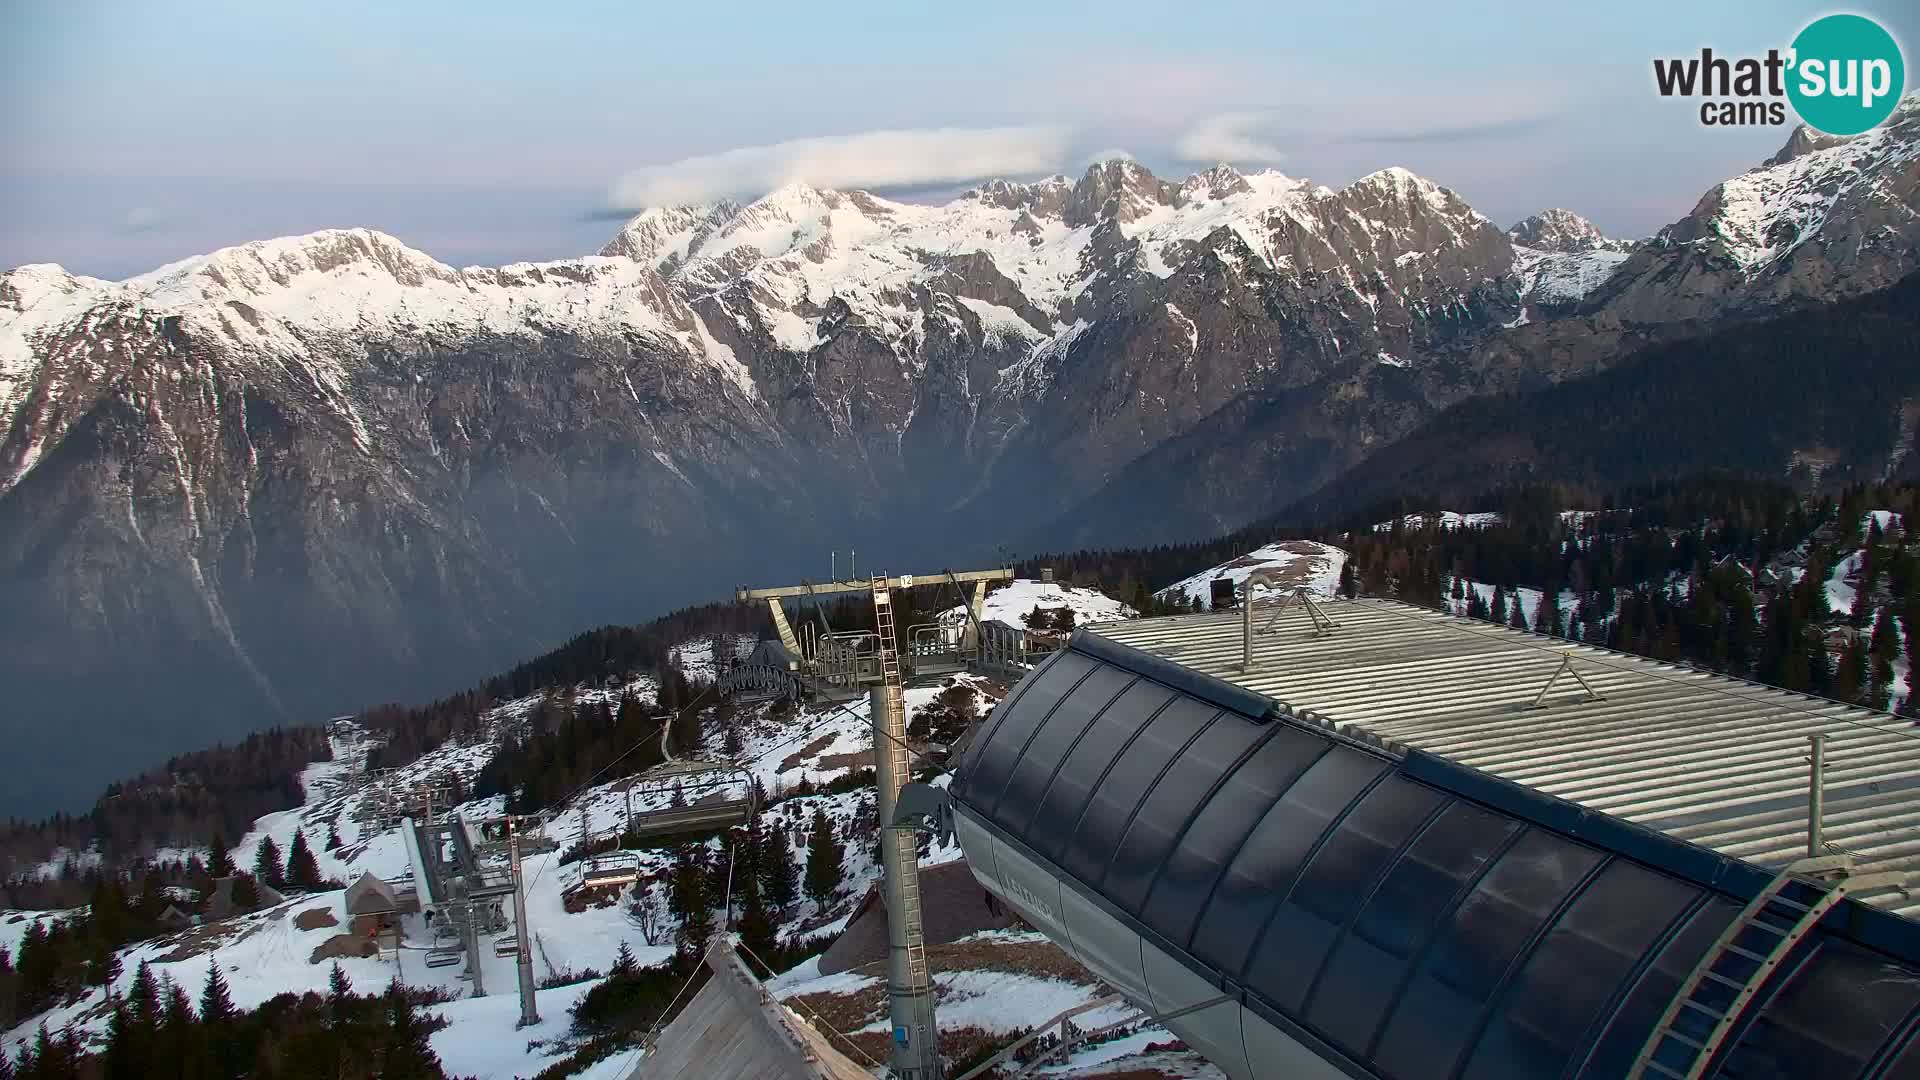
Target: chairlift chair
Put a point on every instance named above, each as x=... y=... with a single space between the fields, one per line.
x=691 y=774
x=506 y=945
x=935 y=648
x=437 y=958
x=600 y=871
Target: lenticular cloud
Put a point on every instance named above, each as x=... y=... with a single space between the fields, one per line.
x=870 y=159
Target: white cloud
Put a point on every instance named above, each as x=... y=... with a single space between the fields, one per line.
x=142 y=219
x=1231 y=137
x=1108 y=155
x=864 y=160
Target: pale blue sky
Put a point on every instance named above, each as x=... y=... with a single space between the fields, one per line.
x=136 y=132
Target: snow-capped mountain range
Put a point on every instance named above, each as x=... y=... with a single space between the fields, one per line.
x=336 y=446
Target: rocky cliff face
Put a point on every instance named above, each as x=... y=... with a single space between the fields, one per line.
x=303 y=474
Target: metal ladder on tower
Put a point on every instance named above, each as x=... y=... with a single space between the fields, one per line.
x=883 y=629
x=1715 y=995
x=890 y=679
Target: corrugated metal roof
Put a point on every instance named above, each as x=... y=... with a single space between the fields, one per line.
x=1720 y=762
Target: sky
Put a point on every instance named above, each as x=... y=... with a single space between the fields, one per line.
x=137 y=132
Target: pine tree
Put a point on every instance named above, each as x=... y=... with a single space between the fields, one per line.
x=219 y=865
x=303 y=870
x=1819 y=664
x=1349 y=588
x=1910 y=631
x=720 y=876
x=1519 y=620
x=179 y=1042
x=1881 y=653
x=218 y=1026
x=1476 y=605
x=623 y=962
x=756 y=927
x=103 y=964
x=407 y=1054
x=216 y=1002
x=42 y=1059
x=751 y=840
x=1850 y=675
x=778 y=880
x=143 y=996
x=688 y=900
x=333 y=836
x=125 y=1059
x=1499 y=611
x=245 y=894
x=339 y=997
x=266 y=863
x=1546 y=617
x=825 y=859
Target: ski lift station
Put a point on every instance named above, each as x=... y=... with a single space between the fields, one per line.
x=1360 y=839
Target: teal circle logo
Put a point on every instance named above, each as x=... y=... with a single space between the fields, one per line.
x=1847 y=74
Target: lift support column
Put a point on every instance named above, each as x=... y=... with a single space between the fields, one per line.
x=916 y=1041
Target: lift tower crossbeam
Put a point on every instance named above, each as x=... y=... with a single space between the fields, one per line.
x=903 y=581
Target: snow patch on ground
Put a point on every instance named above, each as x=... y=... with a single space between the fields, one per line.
x=1306 y=563
x=1445 y=519
x=481 y=1039
x=1556 y=277
x=15 y=924
x=1010 y=603
x=695 y=658
x=1001 y=1001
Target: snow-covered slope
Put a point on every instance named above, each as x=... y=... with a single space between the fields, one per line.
x=1306 y=563
x=1012 y=602
x=268 y=952
x=1563 y=277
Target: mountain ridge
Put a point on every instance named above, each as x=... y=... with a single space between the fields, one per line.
x=337 y=446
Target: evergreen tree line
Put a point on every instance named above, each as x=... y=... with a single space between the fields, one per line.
x=157 y=1030
x=61 y=959
x=1749 y=396
x=753 y=877
x=1726 y=595
x=1698 y=571
x=176 y=805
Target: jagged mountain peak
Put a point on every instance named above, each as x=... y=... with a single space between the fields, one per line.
x=1404 y=183
x=1866 y=183
x=25 y=286
x=269 y=265
x=1044 y=196
x=663 y=236
x=1120 y=188
x=1216 y=183
x=1804 y=140
x=1561 y=230
x=1801 y=142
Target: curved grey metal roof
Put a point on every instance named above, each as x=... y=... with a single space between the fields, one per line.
x=1417 y=918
